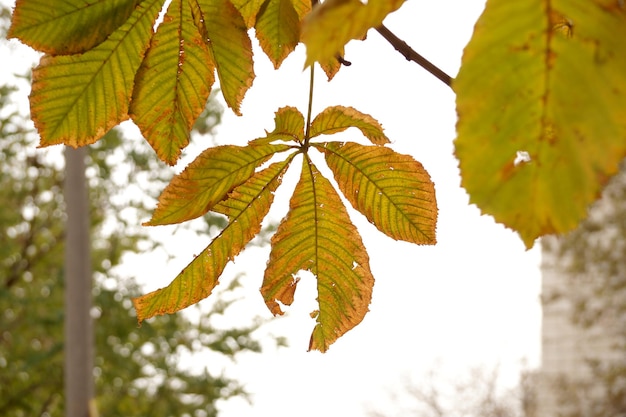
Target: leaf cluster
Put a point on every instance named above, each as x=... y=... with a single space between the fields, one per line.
x=85 y=85
x=393 y=191
x=541 y=104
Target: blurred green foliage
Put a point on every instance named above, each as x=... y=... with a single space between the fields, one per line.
x=137 y=370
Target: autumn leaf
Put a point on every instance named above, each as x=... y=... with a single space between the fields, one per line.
x=231 y=49
x=76 y=99
x=333 y=23
x=278 y=29
x=173 y=83
x=541 y=104
x=338 y=118
x=246 y=207
x=249 y=9
x=392 y=190
x=331 y=66
x=289 y=125
x=71 y=26
x=318 y=236
x=208 y=179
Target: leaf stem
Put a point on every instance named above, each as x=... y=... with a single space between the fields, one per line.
x=309 y=110
x=411 y=55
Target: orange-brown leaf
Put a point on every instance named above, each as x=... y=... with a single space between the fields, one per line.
x=317 y=236
x=173 y=83
x=333 y=23
x=208 y=179
x=392 y=190
x=231 y=48
x=247 y=206
x=67 y=27
x=278 y=29
x=338 y=118
x=76 y=99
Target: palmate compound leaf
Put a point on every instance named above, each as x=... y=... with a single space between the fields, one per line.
x=76 y=99
x=333 y=23
x=208 y=179
x=318 y=236
x=69 y=26
x=246 y=206
x=541 y=102
x=173 y=83
x=392 y=190
x=230 y=47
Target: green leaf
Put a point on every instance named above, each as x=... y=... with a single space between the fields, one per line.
x=289 y=127
x=231 y=49
x=317 y=236
x=392 y=190
x=541 y=103
x=331 y=66
x=173 y=83
x=338 y=118
x=248 y=9
x=334 y=23
x=208 y=179
x=302 y=7
x=290 y=123
x=76 y=99
x=278 y=29
x=70 y=26
x=246 y=206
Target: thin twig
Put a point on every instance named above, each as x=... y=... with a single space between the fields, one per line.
x=411 y=55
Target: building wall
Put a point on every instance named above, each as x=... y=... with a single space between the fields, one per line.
x=566 y=347
x=581 y=273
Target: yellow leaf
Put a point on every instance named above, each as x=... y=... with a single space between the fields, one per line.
x=289 y=127
x=338 y=118
x=76 y=99
x=541 y=102
x=392 y=190
x=173 y=83
x=334 y=23
x=302 y=7
x=289 y=122
x=231 y=49
x=247 y=205
x=207 y=180
x=331 y=66
x=71 y=26
x=248 y=10
x=317 y=236
x=278 y=29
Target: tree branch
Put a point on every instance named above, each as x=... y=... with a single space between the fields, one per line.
x=411 y=55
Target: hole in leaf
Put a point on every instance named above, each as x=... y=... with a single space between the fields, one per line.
x=521 y=157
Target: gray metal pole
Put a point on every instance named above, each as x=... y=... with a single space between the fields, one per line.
x=79 y=339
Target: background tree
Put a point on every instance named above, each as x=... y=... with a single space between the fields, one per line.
x=590 y=261
x=136 y=370
x=478 y=393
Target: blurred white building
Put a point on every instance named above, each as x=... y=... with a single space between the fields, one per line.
x=584 y=312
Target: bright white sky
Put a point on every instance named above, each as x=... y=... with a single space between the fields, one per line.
x=473 y=299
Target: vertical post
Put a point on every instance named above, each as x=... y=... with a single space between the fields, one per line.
x=79 y=338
